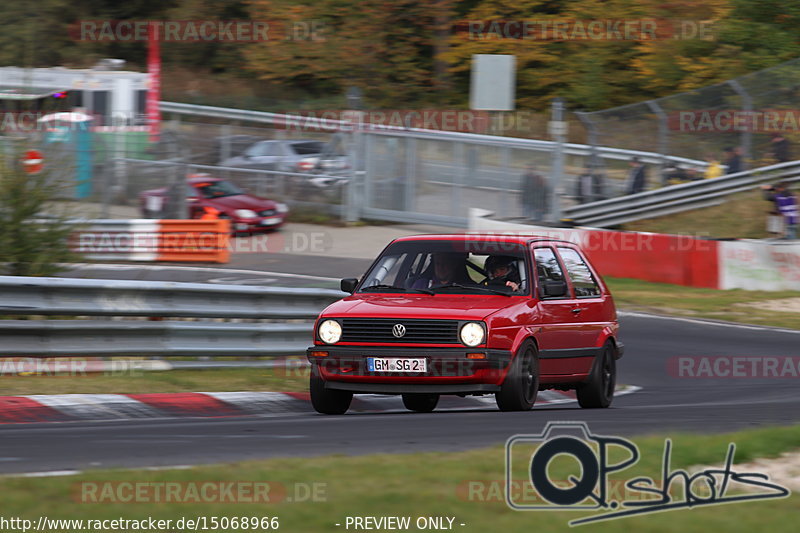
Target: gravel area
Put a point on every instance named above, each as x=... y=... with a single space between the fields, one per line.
x=785 y=305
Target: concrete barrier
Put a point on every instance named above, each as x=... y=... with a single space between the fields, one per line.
x=154 y=240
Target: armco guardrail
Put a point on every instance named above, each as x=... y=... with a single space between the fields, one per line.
x=678 y=198
x=81 y=298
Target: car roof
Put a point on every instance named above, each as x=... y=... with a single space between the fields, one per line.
x=521 y=238
x=192 y=180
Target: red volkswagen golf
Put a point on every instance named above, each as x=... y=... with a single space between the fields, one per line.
x=469 y=314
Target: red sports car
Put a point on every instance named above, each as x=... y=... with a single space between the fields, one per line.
x=206 y=194
x=469 y=315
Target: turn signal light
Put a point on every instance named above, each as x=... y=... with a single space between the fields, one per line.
x=476 y=356
x=319 y=354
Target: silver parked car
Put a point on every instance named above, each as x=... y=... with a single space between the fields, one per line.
x=303 y=156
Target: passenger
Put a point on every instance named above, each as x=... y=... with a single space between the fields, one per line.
x=502 y=272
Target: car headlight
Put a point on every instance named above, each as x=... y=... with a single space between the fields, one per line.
x=281 y=208
x=472 y=333
x=245 y=213
x=330 y=331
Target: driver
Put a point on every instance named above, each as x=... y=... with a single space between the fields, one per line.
x=502 y=271
x=448 y=267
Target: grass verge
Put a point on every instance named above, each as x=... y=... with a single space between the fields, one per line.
x=742 y=216
x=731 y=305
x=135 y=382
x=454 y=485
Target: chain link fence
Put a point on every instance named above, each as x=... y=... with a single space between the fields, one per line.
x=400 y=175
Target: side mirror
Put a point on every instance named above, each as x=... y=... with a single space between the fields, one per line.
x=348 y=285
x=554 y=289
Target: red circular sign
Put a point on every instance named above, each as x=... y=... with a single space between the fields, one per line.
x=33 y=161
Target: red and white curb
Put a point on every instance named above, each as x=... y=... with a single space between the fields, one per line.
x=100 y=407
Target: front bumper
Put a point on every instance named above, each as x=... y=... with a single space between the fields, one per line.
x=257 y=224
x=449 y=371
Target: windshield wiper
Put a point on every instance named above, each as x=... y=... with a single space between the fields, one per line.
x=467 y=287
x=382 y=286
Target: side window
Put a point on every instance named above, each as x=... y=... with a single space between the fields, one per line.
x=582 y=280
x=256 y=150
x=274 y=149
x=547 y=267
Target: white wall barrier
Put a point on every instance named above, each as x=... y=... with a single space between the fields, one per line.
x=759 y=265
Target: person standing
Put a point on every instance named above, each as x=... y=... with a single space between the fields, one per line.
x=785 y=207
x=733 y=160
x=584 y=187
x=714 y=169
x=780 y=147
x=534 y=194
x=637 y=177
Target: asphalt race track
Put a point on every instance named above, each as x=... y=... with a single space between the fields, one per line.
x=279 y=270
x=665 y=404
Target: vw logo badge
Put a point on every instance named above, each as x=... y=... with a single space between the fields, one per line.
x=398 y=330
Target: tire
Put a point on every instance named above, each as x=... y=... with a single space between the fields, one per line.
x=420 y=402
x=327 y=401
x=521 y=386
x=598 y=390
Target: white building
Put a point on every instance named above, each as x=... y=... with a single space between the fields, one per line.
x=114 y=97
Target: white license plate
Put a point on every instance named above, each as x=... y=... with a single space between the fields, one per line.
x=392 y=364
x=270 y=221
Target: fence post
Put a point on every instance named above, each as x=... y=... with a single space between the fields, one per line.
x=351 y=209
x=747 y=136
x=557 y=169
x=225 y=152
x=505 y=192
x=663 y=133
x=410 y=174
x=459 y=157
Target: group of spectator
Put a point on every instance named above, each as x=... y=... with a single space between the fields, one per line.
x=590 y=186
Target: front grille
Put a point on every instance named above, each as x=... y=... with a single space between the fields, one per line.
x=379 y=330
x=267 y=213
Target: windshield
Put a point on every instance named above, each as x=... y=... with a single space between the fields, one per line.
x=218 y=189
x=448 y=267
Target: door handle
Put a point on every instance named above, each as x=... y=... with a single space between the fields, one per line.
x=577 y=310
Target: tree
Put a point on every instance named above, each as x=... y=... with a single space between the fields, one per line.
x=34 y=229
x=384 y=47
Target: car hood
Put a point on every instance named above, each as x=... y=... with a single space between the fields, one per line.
x=445 y=306
x=240 y=201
